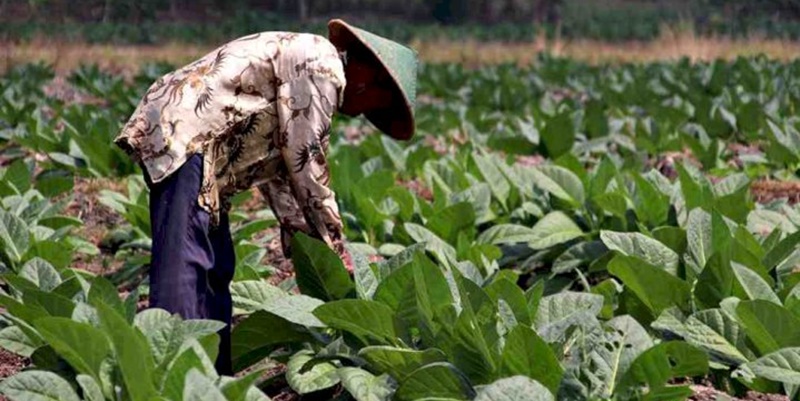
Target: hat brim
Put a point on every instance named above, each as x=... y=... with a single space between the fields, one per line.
x=397 y=120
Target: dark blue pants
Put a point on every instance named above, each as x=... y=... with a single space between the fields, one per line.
x=193 y=262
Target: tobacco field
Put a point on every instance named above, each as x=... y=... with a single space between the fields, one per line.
x=558 y=231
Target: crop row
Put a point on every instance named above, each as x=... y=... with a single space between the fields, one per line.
x=560 y=231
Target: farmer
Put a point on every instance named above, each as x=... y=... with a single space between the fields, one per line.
x=255 y=112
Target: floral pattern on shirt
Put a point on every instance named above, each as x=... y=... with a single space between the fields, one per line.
x=259 y=109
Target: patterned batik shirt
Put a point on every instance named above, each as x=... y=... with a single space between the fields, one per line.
x=259 y=110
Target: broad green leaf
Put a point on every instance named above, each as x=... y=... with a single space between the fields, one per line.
x=557 y=313
x=553 y=229
x=395 y=152
x=41 y=273
x=578 y=255
x=370 y=321
x=159 y=327
x=764 y=222
x=430 y=299
x=201 y=388
x=445 y=252
x=247 y=230
x=323 y=375
x=654 y=286
x=714 y=341
x=560 y=182
x=399 y=260
x=511 y=293
x=612 y=202
x=658 y=365
x=417 y=292
x=716 y=281
x=699 y=236
x=769 y=326
x=81 y=345
x=515 y=388
x=198 y=328
x=782 y=366
x=297 y=309
x=643 y=247
x=319 y=271
x=365 y=386
x=603 y=175
x=18 y=176
x=493 y=176
x=733 y=197
x=781 y=251
x=651 y=205
x=174 y=381
x=257 y=335
x=90 y=388
x=672 y=393
x=448 y=222
x=754 y=286
x=366 y=280
x=620 y=345
x=52 y=304
x=35 y=385
x=254 y=394
x=14 y=339
x=724 y=325
x=399 y=362
x=673 y=237
x=479 y=196
x=103 y=292
x=251 y=295
x=471 y=342
x=132 y=353
x=237 y=389
x=525 y=353
x=505 y=234
x=792 y=301
x=437 y=380
x=697 y=191
x=558 y=135
x=15 y=236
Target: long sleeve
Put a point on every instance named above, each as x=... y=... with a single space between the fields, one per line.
x=305 y=107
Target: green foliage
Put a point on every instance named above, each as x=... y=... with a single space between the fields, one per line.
x=608 y=270
x=112 y=358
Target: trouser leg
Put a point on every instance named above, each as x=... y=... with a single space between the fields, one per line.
x=192 y=264
x=219 y=304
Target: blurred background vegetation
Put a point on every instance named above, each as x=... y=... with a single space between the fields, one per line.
x=208 y=21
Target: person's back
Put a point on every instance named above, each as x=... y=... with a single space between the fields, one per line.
x=255 y=112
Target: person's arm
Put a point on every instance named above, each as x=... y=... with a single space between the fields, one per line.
x=305 y=107
x=280 y=195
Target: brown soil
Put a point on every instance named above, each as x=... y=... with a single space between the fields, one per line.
x=705 y=393
x=97 y=219
x=530 y=160
x=62 y=90
x=417 y=187
x=10 y=364
x=765 y=191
